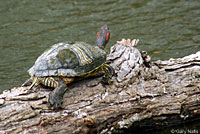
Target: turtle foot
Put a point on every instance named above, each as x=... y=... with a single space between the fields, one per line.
x=55 y=100
x=56 y=96
x=109 y=71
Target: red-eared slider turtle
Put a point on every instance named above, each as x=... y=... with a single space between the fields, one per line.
x=67 y=62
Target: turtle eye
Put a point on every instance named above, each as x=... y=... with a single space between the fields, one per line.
x=97 y=34
x=107 y=36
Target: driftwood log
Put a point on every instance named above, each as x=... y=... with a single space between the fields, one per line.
x=144 y=95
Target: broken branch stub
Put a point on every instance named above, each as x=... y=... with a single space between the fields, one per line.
x=125 y=58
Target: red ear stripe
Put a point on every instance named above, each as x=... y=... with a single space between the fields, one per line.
x=97 y=33
x=107 y=36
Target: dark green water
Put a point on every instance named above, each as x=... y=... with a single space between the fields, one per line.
x=166 y=28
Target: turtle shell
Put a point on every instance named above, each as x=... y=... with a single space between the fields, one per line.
x=68 y=59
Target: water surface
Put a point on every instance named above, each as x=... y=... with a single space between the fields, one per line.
x=166 y=28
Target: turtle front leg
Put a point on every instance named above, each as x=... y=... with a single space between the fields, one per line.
x=109 y=71
x=56 y=96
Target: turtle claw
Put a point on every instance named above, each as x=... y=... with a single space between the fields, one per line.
x=106 y=80
x=56 y=97
x=55 y=101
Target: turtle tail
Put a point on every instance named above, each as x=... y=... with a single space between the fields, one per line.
x=35 y=82
x=31 y=82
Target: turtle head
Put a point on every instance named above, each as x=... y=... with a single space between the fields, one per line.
x=103 y=37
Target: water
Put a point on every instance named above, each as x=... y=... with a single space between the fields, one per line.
x=167 y=28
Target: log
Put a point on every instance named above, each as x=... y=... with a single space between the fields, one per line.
x=144 y=95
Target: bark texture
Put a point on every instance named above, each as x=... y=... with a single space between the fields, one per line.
x=143 y=95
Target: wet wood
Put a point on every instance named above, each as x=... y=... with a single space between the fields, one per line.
x=143 y=95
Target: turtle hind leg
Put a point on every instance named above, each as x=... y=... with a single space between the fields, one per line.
x=109 y=71
x=33 y=81
x=56 y=96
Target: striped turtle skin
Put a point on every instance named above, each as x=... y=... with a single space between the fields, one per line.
x=70 y=61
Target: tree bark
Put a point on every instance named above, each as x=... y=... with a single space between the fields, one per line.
x=144 y=95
